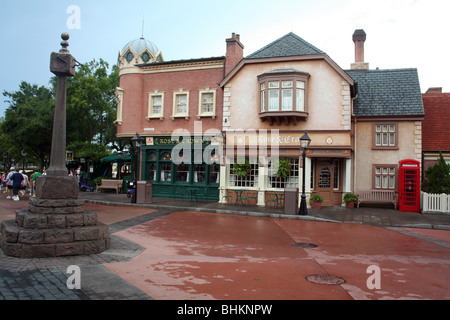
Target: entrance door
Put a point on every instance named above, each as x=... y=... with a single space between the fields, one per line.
x=324 y=183
x=328 y=182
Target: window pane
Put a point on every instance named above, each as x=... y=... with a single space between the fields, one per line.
x=156 y=102
x=207 y=102
x=286 y=84
x=377 y=128
x=378 y=170
x=199 y=173
x=391 y=182
x=274 y=100
x=325 y=178
x=263 y=101
x=385 y=180
x=377 y=182
x=182 y=173
x=378 y=139
x=385 y=128
x=385 y=139
x=166 y=171
x=287 y=99
x=300 y=85
x=181 y=103
x=300 y=102
x=274 y=84
x=391 y=170
x=391 y=128
x=392 y=139
x=214 y=173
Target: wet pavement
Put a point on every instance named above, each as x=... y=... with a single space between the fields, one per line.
x=181 y=250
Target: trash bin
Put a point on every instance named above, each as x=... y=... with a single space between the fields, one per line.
x=144 y=192
x=291 y=201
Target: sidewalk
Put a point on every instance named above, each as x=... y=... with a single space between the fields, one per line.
x=381 y=216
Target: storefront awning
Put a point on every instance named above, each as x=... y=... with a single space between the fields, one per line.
x=117 y=158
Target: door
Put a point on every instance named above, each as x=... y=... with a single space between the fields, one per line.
x=324 y=185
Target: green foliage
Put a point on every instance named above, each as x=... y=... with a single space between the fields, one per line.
x=284 y=168
x=315 y=197
x=242 y=169
x=92 y=151
x=437 y=177
x=350 y=197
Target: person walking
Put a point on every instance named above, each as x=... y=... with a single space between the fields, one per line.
x=16 y=179
x=36 y=174
x=9 y=183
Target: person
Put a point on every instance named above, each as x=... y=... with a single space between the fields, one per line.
x=2 y=181
x=25 y=185
x=36 y=174
x=16 y=179
x=9 y=183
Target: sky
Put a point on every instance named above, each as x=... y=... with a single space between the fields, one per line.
x=400 y=33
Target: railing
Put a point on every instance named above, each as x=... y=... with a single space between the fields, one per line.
x=435 y=202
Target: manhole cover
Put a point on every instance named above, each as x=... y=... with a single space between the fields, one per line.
x=327 y=279
x=303 y=245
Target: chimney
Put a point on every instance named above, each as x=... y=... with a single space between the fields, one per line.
x=359 y=36
x=235 y=52
x=434 y=90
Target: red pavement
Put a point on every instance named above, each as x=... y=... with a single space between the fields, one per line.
x=213 y=256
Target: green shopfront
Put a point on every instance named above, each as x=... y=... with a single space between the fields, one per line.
x=191 y=169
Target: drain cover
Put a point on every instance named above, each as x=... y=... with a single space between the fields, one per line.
x=327 y=279
x=303 y=245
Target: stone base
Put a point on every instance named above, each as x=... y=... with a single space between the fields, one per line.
x=52 y=228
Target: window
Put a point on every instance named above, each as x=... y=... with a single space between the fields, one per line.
x=156 y=105
x=207 y=103
x=384 y=177
x=336 y=174
x=385 y=136
x=166 y=167
x=152 y=166
x=290 y=181
x=251 y=180
x=180 y=104
x=283 y=95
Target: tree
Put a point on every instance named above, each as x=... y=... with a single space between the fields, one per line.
x=437 y=177
x=28 y=122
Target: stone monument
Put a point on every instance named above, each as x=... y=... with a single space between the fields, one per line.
x=56 y=222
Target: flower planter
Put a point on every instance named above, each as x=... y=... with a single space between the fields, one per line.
x=350 y=204
x=316 y=204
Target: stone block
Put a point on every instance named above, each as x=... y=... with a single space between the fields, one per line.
x=86 y=233
x=11 y=249
x=31 y=236
x=40 y=210
x=63 y=210
x=57 y=187
x=56 y=221
x=20 y=215
x=69 y=249
x=58 y=236
x=75 y=220
x=94 y=246
x=35 y=221
x=90 y=218
x=10 y=231
x=38 y=251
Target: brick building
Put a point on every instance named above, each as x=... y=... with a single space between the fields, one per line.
x=435 y=131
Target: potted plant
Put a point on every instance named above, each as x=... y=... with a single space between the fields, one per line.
x=316 y=201
x=284 y=168
x=242 y=169
x=350 y=199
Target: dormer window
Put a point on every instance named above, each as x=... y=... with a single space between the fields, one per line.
x=283 y=96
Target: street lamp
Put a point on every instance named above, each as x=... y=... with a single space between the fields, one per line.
x=24 y=154
x=136 y=144
x=305 y=140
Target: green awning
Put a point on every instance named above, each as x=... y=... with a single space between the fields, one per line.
x=117 y=158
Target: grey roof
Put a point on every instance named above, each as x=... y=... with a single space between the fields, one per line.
x=393 y=92
x=288 y=45
x=138 y=45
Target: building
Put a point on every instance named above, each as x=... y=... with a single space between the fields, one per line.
x=254 y=109
x=435 y=131
x=171 y=104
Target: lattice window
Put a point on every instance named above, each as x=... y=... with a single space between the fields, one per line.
x=289 y=182
x=251 y=180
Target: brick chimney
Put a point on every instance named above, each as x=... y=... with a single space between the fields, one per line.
x=359 y=36
x=235 y=52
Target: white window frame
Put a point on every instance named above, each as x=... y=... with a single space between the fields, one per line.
x=176 y=114
x=200 y=103
x=151 y=113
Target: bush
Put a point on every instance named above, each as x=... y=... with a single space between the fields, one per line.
x=437 y=177
x=350 y=197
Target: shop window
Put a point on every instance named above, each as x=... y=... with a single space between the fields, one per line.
x=200 y=173
x=214 y=173
x=290 y=181
x=250 y=180
x=325 y=178
x=182 y=172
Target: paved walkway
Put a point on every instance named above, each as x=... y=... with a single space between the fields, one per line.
x=174 y=249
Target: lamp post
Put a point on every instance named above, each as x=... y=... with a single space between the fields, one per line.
x=24 y=154
x=305 y=140
x=136 y=144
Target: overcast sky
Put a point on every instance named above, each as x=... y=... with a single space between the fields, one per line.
x=400 y=33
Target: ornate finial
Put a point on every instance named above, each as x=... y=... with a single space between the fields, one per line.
x=64 y=43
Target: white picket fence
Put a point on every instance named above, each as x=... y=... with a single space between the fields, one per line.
x=435 y=202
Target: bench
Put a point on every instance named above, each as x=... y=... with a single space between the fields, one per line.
x=377 y=196
x=110 y=184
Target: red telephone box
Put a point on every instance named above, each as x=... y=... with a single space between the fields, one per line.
x=409 y=185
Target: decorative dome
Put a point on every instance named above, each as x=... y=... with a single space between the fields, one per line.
x=141 y=51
